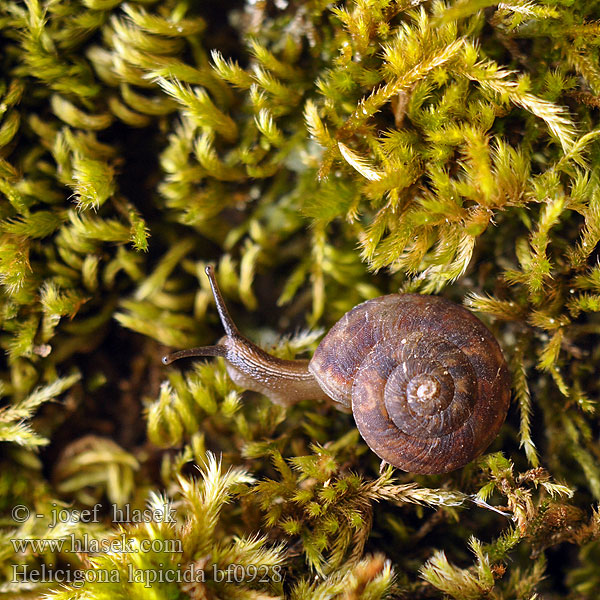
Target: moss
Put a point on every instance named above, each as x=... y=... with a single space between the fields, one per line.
x=320 y=155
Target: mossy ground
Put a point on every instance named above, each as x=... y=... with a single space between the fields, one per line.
x=319 y=154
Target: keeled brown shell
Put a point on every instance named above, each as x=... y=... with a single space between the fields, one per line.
x=426 y=380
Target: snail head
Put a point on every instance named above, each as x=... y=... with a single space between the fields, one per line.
x=249 y=366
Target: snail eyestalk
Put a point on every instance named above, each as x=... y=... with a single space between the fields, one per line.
x=228 y=324
x=202 y=351
x=230 y=328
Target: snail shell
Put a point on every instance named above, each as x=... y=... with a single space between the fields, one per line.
x=426 y=380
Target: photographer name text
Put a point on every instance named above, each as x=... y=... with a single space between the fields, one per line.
x=124 y=514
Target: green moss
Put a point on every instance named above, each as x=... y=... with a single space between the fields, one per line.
x=320 y=155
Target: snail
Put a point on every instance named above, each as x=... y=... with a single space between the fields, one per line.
x=425 y=379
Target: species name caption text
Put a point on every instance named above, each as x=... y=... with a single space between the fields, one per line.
x=161 y=573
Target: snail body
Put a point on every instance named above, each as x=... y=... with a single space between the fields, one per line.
x=425 y=379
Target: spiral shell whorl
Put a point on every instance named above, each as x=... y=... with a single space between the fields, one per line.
x=431 y=387
x=427 y=382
